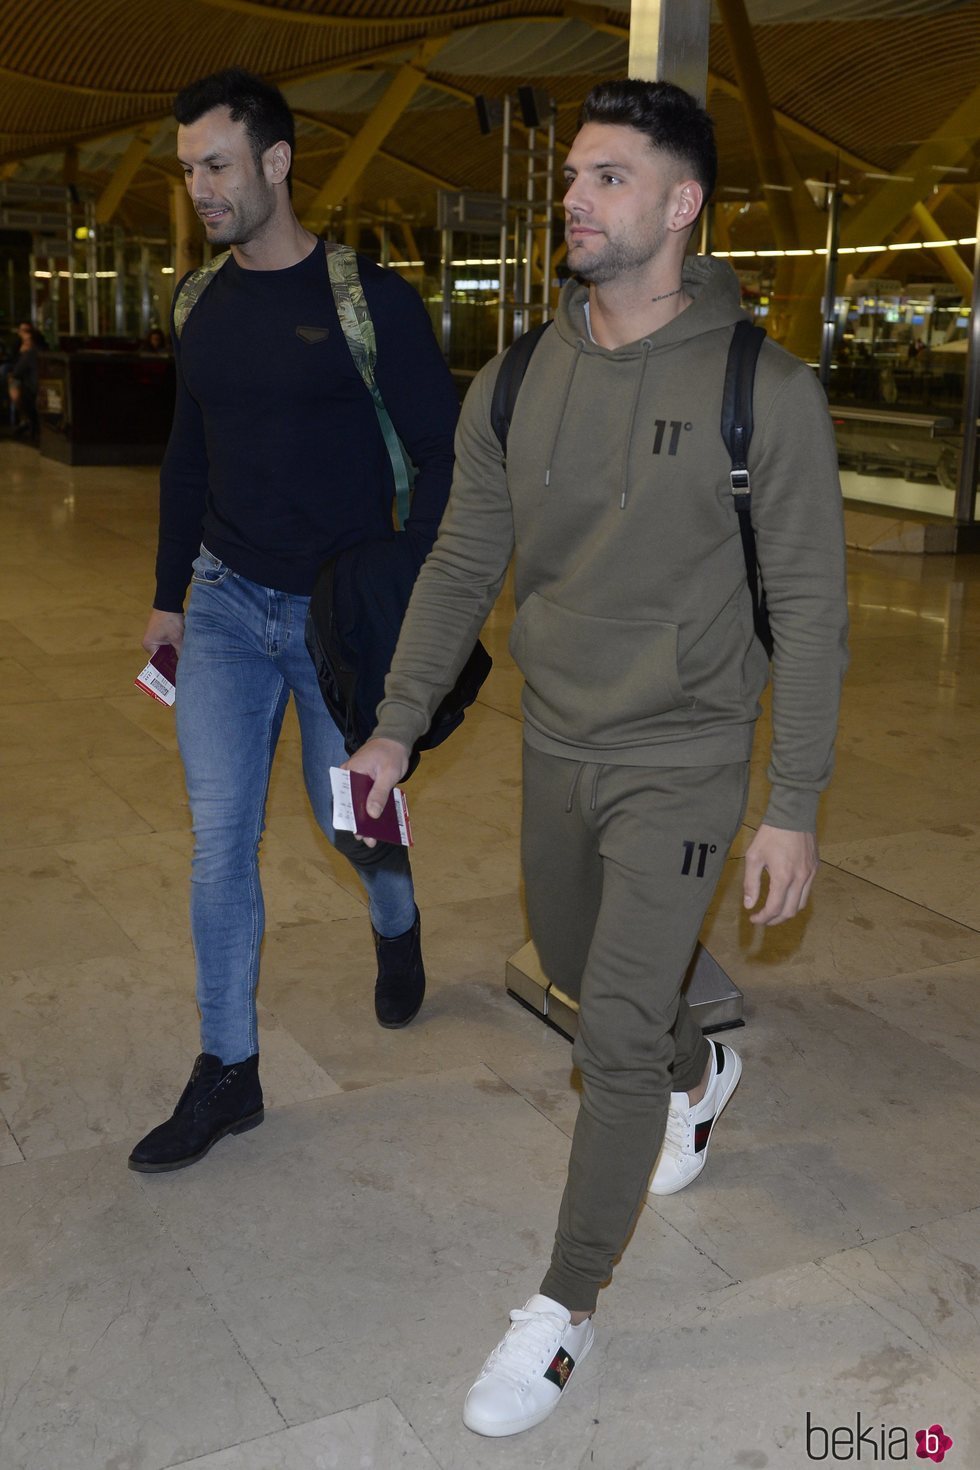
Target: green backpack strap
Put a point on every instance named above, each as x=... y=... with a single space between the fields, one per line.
x=359 y=334
x=193 y=288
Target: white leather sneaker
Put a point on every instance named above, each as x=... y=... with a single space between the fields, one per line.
x=689 y=1130
x=525 y=1375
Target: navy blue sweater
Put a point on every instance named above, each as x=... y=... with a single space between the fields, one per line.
x=275 y=460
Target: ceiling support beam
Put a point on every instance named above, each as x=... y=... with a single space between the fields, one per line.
x=126 y=170
x=413 y=168
x=959 y=273
x=773 y=163
x=366 y=143
x=951 y=144
x=880 y=266
x=477 y=14
x=787 y=124
x=922 y=219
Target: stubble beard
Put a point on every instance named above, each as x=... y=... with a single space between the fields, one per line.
x=616 y=258
x=244 y=222
x=624 y=255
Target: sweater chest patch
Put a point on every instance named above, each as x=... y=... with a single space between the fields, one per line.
x=313 y=334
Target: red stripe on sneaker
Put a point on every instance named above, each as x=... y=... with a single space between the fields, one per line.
x=702 y=1133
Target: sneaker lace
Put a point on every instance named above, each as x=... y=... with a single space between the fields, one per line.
x=529 y=1344
x=678 y=1132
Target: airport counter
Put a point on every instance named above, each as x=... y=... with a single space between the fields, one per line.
x=105 y=407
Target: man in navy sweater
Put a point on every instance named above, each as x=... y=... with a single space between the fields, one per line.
x=275 y=462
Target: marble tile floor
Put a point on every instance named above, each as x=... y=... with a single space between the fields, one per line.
x=318 y=1294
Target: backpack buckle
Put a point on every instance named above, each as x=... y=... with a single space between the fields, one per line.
x=740 y=482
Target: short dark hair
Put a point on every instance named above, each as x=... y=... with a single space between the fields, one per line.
x=258 y=104
x=671 y=118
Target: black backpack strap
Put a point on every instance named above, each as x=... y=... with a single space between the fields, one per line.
x=509 y=380
x=736 y=430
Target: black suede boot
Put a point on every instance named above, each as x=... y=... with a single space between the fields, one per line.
x=217 y=1100
x=400 y=985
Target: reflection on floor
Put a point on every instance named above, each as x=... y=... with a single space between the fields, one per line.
x=320 y=1292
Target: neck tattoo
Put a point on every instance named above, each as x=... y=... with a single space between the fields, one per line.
x=665 y=294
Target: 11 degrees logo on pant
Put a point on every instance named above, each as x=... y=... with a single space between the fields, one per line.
x=874 y=1443
x=702 y=849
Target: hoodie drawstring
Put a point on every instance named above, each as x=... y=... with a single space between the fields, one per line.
x=624 y=482
x=564 y=406
x=573 y=788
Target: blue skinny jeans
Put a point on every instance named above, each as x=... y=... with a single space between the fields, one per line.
x=244 y=654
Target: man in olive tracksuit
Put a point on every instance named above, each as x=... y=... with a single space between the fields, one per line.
x=634 y=633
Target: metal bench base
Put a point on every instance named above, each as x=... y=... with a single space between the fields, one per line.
x=715 y=1001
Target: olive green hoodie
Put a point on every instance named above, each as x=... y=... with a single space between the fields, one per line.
x=634 y=621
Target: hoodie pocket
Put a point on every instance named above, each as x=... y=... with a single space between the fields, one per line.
x=595 y=681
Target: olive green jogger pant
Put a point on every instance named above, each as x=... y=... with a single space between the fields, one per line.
x=620 y=864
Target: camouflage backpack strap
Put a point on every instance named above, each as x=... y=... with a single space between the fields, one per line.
x=359 y=334
x=193 y=288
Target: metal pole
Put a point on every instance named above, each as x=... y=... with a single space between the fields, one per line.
x=504 y=195
x=522 y=319
x=549 y=210
x=830 y=289
x=669 y=42
x=707 y=245
x=54 y=300
x=119 y=294
x=447 y=291
x=144 y=289
x=70 y=229
x=91 y=266
x=966 y=489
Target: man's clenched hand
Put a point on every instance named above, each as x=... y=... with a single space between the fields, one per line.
x=791 y=860
x=386 y=761
x=164 y=627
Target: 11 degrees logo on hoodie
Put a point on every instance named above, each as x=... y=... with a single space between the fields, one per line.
x=675 y=426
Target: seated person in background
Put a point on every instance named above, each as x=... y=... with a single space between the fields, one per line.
x=156 y=341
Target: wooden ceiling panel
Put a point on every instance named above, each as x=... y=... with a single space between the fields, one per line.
x=83 y=70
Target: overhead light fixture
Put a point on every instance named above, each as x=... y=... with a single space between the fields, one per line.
x=844 y=249
x=733 y=189
x=782 y=188
x=948 y=168
x=898 y=178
